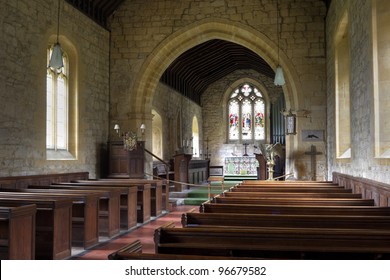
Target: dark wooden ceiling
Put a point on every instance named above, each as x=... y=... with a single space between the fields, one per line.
x=98 y=10
x=193 y=71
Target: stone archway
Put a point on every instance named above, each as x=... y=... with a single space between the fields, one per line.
x=200 y=32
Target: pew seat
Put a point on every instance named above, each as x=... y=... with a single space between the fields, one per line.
x=284 y=243
x=292 y=195
x=190 y=219
x=295 y=201
x=293 y=209
x=295 y=189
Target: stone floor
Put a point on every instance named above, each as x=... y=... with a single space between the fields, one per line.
x=143 y=232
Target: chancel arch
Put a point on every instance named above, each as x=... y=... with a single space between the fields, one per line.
x=148 y=77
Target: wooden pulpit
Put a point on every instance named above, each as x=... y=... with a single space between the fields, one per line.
x=124 y=163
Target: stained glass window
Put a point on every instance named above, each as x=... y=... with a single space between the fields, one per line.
x=246 y=114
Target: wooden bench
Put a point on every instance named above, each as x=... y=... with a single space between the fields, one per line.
x=284 y=243
x=133 y=251
x=85 y=211
x=289 y=183
x=290 y=189
x=53 y=239
x=295 y=201
x=109 y=208
x=17 y=232
x=159 y=191
x=128 y=201
x=284 y=220
x=293 y=209
x=291 y=194
x=144 y=199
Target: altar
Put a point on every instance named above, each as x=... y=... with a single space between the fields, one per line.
x=245 y=165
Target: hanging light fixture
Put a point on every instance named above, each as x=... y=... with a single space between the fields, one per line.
x=56 y=61
x=279 y=77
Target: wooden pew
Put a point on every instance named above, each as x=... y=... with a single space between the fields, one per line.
x=291 y=194
x=133 y=251
x=85 y=211
x=17 y=232
x=284 y=220
x=293 y=209
x=158 y=185
x=128 y=201
x=143 y=195
x=285 y=243
x=289 y=183
x=158 y=200
x=295 y=201
x=290 y=189
x=109 y=206
x=53 y=239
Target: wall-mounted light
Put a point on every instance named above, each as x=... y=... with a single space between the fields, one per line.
x=142 y=128
x=117 y=128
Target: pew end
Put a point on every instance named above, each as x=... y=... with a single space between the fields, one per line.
x=131 y=248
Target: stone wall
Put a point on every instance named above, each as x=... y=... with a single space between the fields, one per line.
x=27 y=27
x=177 y=113
x=362 y=162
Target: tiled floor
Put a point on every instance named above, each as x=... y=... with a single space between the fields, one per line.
x=144 y=233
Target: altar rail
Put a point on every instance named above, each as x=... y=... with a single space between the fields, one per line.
x=370 y=189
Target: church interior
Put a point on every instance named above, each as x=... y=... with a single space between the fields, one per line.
x=166 y=94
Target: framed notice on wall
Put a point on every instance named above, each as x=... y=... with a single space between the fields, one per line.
x=312 y=135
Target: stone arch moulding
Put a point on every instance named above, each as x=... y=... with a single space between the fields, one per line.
x=199 y=32
x=194 y=34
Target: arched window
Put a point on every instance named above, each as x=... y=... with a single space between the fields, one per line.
x=246 y=114
x=57 y=105
x=381 y=65
x=343 y=102
x=157 y=134
x=195 y=137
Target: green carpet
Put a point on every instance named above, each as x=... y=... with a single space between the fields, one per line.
x=199 y=195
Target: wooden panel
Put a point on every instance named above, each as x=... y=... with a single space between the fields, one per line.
x=17 y=231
